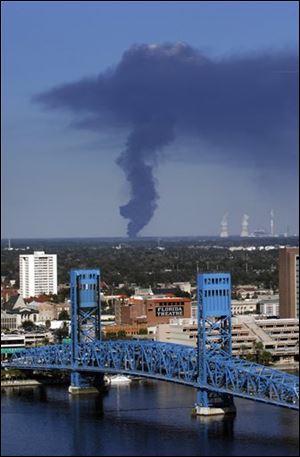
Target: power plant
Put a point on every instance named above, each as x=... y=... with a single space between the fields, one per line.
x=258 y=233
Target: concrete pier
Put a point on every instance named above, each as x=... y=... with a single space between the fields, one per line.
x=86 y=384
x=213 y=411
x=82 y=390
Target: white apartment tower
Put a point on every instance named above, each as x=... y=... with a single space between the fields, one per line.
x=38 y=274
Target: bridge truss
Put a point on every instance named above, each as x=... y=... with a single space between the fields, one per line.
x=210 y=368
x=168 y=362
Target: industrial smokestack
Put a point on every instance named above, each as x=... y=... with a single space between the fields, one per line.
x=272 y=222
x=245 y=224
x=224 y=226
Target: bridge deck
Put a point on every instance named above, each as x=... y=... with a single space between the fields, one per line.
x=169 y=362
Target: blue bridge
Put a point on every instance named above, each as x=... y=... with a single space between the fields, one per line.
x=210 y=368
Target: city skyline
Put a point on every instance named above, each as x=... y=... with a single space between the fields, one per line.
x=53 y=165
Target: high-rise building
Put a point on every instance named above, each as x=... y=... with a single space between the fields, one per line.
x=38 y=274
x=289 y=282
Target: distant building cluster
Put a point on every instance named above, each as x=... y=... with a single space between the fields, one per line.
x=166 y=312
x=15 y=311
x=27 y=314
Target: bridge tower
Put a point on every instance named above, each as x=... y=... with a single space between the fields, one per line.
x=214 y=338
x=86 y=324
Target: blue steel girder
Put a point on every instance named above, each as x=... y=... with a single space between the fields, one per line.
x=170 y=362
x=214 y=332
x=252 y=381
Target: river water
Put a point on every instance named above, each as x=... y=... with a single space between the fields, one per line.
x=143 y=418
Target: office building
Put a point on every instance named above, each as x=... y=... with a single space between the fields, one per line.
x=289 y=282
x=278 y=336
x=38 y=274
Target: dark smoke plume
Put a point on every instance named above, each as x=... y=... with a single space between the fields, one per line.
x=247 y=106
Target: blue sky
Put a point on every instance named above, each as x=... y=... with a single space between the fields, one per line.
x=58 y=181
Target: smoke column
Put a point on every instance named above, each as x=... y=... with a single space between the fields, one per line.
x=138 y=161
x=246 y=107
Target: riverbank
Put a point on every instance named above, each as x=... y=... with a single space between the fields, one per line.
x=20 y=383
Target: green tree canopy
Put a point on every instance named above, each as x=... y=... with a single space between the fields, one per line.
x=28 y=325
x=64 y=316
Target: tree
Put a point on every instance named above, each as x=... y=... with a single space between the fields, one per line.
x=111 y=335
x=260 y=355
x=125 y=291
x=28 y=325
x=258 y=348
x=64 y=316
x=48 y=324
x=143 y=331
x=243 y=350
x=181 y=293
x=266 y=358
x=62 y=332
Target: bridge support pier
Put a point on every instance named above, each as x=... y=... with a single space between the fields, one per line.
x=212 y=404
x=86 y=384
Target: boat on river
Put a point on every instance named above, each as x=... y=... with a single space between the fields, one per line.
x=120 y=379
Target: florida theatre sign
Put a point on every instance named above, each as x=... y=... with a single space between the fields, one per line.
x=161 y=311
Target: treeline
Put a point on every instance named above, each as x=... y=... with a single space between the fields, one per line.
x=146 y=265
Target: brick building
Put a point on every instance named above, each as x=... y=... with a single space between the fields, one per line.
x=129 y=330
x=153 y=310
